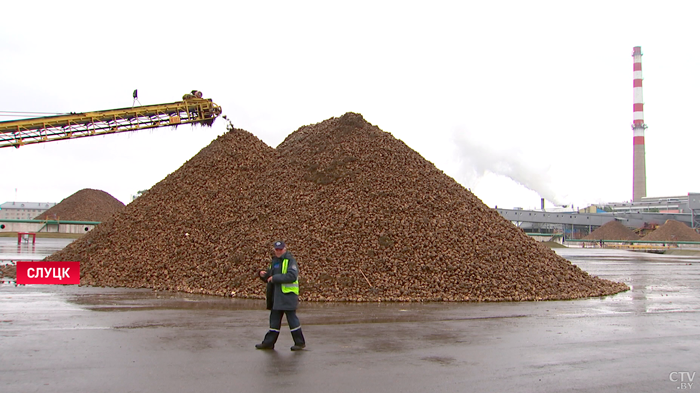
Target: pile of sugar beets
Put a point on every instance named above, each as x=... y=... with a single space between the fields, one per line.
x=367 y=218
x=85 y=205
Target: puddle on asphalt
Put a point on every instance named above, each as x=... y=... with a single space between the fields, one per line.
x=28 y=251
x=126 y=299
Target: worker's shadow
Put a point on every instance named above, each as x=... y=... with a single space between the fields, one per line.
x=277 y=363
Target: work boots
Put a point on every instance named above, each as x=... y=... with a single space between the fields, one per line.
x=299 y=342
x=269 y=340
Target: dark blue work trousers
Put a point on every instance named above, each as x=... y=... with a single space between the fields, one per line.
x=276 y=319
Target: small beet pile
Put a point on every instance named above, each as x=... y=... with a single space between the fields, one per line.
x=9 y=271
x=673 y=231
x=367 y=218
x=612 y=230
x=85 y=205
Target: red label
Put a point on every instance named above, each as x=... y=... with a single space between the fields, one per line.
x=48 y=273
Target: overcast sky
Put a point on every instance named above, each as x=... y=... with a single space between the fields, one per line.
x=515 y=100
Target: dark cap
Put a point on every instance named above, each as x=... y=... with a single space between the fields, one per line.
x=279 y=245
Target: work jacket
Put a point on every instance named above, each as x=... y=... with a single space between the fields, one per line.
x=276 y=298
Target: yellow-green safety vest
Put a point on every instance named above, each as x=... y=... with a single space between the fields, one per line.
x=289 y=287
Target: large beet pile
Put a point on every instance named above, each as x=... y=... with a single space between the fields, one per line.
x=673 y=231
x=85 y=205
x=612 y=230
x=367 y=218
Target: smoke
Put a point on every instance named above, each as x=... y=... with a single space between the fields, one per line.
x=475 y=160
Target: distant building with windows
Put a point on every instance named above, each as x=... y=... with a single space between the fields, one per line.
x=672 y=204
x=23 y=210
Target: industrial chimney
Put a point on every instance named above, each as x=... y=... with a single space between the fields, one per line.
x=639 y=176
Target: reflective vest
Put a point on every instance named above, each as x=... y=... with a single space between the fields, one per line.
x=289 y=287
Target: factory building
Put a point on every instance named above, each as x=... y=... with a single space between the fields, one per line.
x=670 y=204
x=23 y=210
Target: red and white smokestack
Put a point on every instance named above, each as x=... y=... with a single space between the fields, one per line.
x=639 y=177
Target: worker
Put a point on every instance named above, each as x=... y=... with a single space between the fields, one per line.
x=282 y=297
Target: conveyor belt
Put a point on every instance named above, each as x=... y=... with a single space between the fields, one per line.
x=78 y=125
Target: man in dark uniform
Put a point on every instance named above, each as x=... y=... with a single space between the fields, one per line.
x=282 y=297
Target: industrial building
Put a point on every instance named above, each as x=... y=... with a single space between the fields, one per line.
x=23 y=210
x=646 y=214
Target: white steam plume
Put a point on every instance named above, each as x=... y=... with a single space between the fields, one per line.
x=476 y=159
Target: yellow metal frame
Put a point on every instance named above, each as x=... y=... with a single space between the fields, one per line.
x=79 y=125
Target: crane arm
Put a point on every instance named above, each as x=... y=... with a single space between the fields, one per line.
x=78 y=125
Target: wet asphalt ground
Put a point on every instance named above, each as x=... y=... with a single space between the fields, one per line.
x=84 y=339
